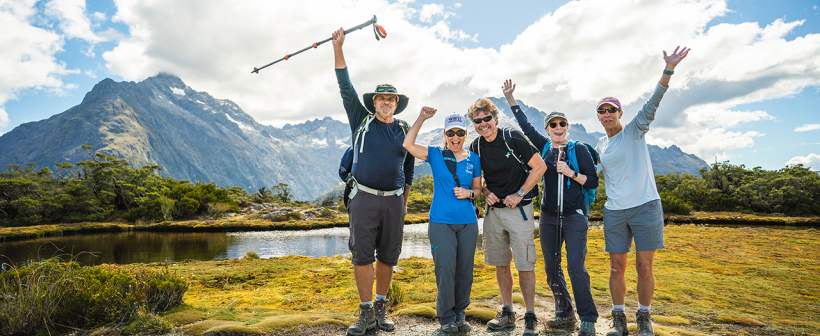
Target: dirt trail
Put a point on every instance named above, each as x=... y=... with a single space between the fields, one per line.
x=416 y=326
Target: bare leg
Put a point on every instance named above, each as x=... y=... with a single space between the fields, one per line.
x=364 y=281
x=504 y=277
x=384 y=274
x=526 y=279
x=617 y=279
x=646 y=276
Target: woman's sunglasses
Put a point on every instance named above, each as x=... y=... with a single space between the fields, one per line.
x=555 y=124
x=451 y=133
x=610 y=110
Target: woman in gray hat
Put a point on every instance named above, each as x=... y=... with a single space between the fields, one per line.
x=453 y=228
x=574 y=161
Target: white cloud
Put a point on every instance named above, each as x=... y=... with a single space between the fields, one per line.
x=565 y=61
x=812 y=161
x=73 y=19
x=428 y=11
x=27 y=60
x=807 y=127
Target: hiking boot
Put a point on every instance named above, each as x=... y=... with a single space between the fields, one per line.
x=619 y=324
x=367 y=320
x=559 y=322
x=450 y=328
x=382 y=319
x=587 y=329
x=530 y=324
x=644 y=325
x=463 y=326
x=504 y=319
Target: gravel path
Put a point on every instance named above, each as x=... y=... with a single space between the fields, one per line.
x=415 y=326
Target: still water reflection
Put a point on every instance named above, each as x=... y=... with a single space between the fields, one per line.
x=145 y=247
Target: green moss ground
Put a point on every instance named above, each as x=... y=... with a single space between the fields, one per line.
x=734 y=281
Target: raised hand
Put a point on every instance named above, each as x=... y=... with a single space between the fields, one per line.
x=427 y=113
x=338 y=37
x=508 y=89
x=676 y=56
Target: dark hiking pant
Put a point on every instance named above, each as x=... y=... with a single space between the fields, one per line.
x=574 y=234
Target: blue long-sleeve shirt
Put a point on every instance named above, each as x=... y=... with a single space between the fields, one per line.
x=384 y=164
x=573 y=197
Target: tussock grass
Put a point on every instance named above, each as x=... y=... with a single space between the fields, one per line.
x=761 y=274
x=52 y=296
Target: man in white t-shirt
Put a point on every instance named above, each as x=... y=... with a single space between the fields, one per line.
x=633 y=207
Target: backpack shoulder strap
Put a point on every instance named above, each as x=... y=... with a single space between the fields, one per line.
x=546 y=149
x=451 y=162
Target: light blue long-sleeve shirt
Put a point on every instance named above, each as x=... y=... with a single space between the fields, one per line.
x=627 y=168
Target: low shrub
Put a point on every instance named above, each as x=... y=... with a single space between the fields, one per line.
x=55 y=295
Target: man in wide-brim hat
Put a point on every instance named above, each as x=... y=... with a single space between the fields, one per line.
x=379 y=185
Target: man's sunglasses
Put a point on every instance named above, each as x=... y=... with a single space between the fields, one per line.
x=555 y=124
x=451 y=133
x=485 y=119
x=610 y=110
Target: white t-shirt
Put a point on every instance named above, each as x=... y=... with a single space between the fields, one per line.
x=625 y=161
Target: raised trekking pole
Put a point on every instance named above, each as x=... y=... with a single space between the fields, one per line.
x=377 y=30
x=560 y=225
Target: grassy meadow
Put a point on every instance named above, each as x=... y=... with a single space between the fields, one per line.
x=709 y=280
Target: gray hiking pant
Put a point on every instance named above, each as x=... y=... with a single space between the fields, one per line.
x=453 y=249
x=574 y=234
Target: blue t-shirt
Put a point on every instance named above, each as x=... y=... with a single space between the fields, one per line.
x=446 y=208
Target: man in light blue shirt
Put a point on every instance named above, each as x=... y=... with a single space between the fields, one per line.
x=633 y=207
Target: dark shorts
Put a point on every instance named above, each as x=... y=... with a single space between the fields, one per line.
x=644 y=223
x=376 y=226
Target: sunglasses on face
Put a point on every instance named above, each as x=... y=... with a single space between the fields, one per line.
x=485 y=119
x=556 y=124
x=451 y=133
x=610 y=110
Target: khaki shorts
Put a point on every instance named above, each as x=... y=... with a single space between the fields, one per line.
x=507 y=234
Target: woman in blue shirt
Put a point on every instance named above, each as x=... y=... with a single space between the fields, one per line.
x=453 y=228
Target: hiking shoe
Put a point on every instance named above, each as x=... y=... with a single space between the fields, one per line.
x=450 y=328
x=644 y=325
x=504 y=319
x=367 y=320
x=619 y=324
x=587 y=329
x=463 y=326
x=560 y=322
x=530 y=325
x=382 y=319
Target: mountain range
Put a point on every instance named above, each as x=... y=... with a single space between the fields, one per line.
x=194 y=136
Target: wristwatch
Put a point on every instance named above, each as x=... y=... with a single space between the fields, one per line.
x=576 y=175
x=521 y=192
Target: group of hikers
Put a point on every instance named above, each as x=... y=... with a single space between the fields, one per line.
x=505 y=166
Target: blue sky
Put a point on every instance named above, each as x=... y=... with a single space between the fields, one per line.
x=747 y=93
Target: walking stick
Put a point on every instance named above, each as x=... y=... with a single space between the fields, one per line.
x=559 y=228
x=377 y=30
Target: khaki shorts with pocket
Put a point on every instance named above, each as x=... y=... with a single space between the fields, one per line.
x=507 y=234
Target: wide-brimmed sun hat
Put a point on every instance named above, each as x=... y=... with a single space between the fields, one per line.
x=367 y=98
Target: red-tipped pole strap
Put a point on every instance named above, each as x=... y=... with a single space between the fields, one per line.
x=377 y=30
